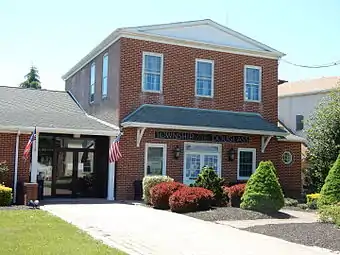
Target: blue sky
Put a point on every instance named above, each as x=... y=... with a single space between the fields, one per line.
x=54 y=35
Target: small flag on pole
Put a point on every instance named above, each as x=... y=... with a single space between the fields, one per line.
x=28 y=147
x=114 y=152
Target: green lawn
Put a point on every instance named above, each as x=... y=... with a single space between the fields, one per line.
x=35 y=232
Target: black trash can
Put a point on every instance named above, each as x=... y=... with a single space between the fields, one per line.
x=138 y=190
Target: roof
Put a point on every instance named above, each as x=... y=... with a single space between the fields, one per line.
x=291 y=137
x=50 y=111
x=205 y=34
x=304 y=87
x=161 y=116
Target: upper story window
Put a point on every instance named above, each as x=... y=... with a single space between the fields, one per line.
x=152 y=73
x=204 y=85
x=92 y=81
x=105 y=74
x=299 y=122
x=252 y=83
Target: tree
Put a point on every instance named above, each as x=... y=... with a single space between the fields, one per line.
x=263 y=191
x=32 y=79
x=330 y=192
x=323 y=139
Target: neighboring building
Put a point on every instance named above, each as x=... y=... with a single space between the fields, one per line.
x=297 y=101
x=71 y=146
x=187 y=95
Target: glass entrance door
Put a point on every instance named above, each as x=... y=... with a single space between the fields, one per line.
x=73 y=173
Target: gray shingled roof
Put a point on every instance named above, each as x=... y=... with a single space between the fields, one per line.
x=194 y=117
x=46 y=109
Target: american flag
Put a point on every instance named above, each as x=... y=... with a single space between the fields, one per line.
x=114 y=152
x=27 y=150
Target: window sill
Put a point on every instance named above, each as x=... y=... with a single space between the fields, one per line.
x=204 y=97
x=253 y=101
x=242 y=178
x=152 y=91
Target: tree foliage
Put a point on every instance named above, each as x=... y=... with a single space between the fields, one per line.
x=330 y=192
x=323 y=138
x=32 y=79
x=263 y=191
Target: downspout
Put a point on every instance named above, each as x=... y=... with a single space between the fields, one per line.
x=16 y=167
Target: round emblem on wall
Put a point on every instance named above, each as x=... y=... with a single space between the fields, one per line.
x=287 y=157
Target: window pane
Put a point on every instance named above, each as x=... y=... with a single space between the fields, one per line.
x=211 y=161
x=253 y=75
x=152 y=64
x=202 y=148
x=152 y=82
x=245 y=163
x=104 y=87
x=93 y=74
x=193 y=166
x=105 y=65
x=204 y=69
x=154 y=161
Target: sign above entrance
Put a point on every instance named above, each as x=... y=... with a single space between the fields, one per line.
x=188 y=136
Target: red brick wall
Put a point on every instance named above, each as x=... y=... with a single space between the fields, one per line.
x=131 y=166
x=179 y=79
x=7 y=153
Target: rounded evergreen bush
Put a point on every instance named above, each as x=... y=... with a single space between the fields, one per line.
x=330 y=192
x=263 y=191
x=209 y=179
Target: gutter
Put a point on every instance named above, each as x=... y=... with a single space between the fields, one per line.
x=16 y=164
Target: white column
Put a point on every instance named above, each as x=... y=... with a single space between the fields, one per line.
x=111 y=177
x=16 y=163
x=34 y=163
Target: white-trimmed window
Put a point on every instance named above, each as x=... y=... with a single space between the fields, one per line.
x=198 y=155
x=246 y=163
x=152 y=73
x=252 y=83
x=204 y=84
x=105 y=74
x=287 y=158
x=92 y=81
x=155 y=159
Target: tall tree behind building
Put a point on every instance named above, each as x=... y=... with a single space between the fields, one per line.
x=32 y=79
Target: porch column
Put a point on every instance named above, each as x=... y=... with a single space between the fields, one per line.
x=111 y=176
x=34 y=162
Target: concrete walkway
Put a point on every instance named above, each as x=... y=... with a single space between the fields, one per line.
x=298 y=217
x=141 y=230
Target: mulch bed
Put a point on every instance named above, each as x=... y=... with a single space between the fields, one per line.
x=233 y=213
x=312 y=234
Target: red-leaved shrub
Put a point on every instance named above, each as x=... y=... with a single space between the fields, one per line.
x=161 y=193
x=191 y=199
x=235 y=193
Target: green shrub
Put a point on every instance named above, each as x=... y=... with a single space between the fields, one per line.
x=5 y=196
x=149 y=182
x=3 y=171
x=312 y=200
x=209 y=179
x=330 y=213
x=330 y=192
x=263 y=192
x=291 y=202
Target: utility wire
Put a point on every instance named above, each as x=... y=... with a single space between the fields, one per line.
x=314 y=66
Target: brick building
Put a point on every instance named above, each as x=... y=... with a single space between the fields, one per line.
x=187 y=95
x=70 y=146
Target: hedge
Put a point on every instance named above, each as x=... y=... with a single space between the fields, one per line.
x=161 y=193
x=5 y=196
x=149 y=182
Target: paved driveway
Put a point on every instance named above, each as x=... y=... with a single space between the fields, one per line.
x=141 y=230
